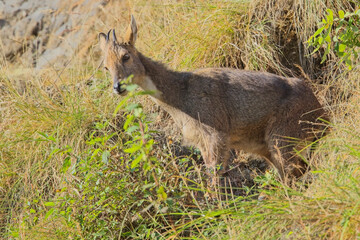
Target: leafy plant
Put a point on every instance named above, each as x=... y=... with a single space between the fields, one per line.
x=136 y=126
x=341 y=33
x=112 y=184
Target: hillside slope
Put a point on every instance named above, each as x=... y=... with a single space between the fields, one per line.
x=78 y=162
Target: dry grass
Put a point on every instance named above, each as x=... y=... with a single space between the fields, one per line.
x=41 y=112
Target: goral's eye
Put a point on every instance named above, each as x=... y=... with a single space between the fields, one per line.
x=125 y=57
x=106 y=69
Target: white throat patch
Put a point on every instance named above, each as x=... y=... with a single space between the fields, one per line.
x=150 y=86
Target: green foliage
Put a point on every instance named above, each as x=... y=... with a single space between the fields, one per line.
x=110 y=188
x=341 y=33
x=136 y=126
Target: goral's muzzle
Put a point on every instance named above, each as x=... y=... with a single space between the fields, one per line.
x=118 y=87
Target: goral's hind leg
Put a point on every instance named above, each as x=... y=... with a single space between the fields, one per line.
x=214 y=150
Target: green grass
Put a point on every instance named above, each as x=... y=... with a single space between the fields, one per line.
x=76 y=164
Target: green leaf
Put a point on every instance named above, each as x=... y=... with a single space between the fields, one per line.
x=327 y=50
x=94 y=154
x=149 y=185
x=51 y=211
x=132 y=106
x=49 y=204
x=132 y=128
x=341 y=14
x=330 y=16
x=328 y=38
x=137 y=112
x=105 y=157
x=318 y=32
x=130 y=119
x=136 y=161
x=66 y=164
x=337 y=30
x=32 y=210
x=46 y=136
x=149 y=92
x=348 y=63
x=347 y=14
x=121 y=105
x=161 y=193
x=342 y=47
x=131 y=87
x=100 y=234
x=132 y=149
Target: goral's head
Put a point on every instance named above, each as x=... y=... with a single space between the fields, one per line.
x=121 y=59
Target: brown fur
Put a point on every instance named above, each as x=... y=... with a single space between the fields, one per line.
x=219 y=109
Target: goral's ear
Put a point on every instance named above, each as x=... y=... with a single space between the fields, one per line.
x=131 y=32
x=103 y=40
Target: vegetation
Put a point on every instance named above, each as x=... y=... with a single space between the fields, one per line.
x=77 y=162
x=346 y=36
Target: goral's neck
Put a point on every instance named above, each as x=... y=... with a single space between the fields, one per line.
x=169 y=84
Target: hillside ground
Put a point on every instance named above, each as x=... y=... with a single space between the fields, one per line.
x=77 y=162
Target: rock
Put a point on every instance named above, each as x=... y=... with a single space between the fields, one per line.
x=3 y=22
x=51 y=57
x=44 y=33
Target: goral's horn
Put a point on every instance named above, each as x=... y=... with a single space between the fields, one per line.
x=108 y=35
x=114 y=36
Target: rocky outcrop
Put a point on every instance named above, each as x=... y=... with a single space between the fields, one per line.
x=45 y=34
